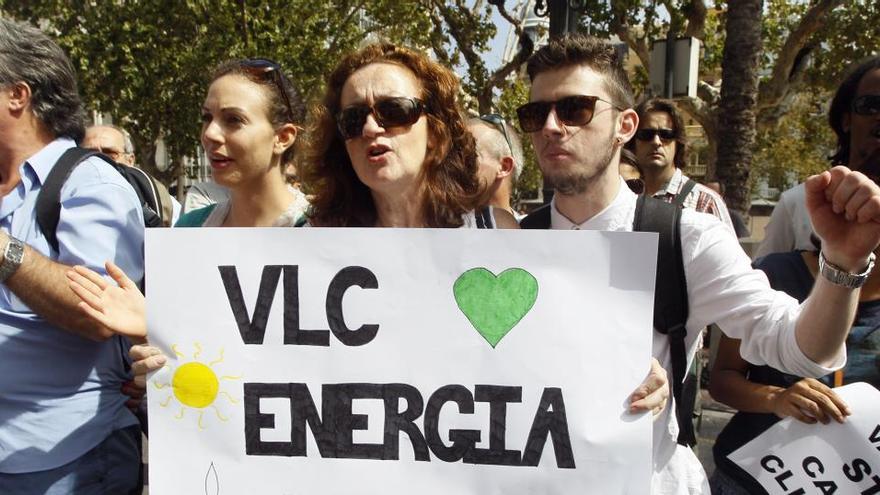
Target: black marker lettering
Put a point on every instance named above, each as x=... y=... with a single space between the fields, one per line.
x=397 y=421
x=462 y=440
x=550 y=418
x=496 y=454
x=292 y=332
x=349 y=277
x=252 y=330
x=336 y=406
x=858 y=471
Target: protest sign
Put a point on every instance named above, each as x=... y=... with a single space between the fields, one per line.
x=796 y=458
x=392 y=361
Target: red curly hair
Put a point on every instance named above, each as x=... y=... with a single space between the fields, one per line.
x=449 y=174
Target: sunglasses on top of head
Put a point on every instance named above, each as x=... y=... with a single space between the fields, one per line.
x=398 y=111
x=575 y=110
x=648 y=134
x=263 y=66
x=867 y=105
x=498 y=122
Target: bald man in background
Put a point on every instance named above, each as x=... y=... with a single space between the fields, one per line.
x=499 y=157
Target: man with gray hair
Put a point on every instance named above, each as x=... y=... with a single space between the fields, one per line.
x=112 y=141
x=500 y=158
x=64 y=427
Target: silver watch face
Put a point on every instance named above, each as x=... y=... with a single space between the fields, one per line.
x=15 y=251
x=12 y=258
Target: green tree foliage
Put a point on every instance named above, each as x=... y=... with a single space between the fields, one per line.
x=147 y=62
x=808 y=44
x=797 y=146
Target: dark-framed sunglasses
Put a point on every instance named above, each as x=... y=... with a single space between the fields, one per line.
x=866 y=105
x=398 y=111
x=498 y=121
x=648 y=134
x=264 y=66
x=575 y=110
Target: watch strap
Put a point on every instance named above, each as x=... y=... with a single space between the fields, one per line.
x=838 y=276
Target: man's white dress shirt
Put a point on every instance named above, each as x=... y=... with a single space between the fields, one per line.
x=722 y=288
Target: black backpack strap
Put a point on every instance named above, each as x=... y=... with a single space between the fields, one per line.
x=48 y=207
x=683 y=194
x=145 y=188
x=538 y=219
x=484 y=218
x=670 y=297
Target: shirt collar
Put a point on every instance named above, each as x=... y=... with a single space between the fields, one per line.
x=615 y=217
x=43 y=161
x=673 y=185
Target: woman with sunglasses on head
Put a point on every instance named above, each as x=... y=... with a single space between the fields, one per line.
x=250 y=121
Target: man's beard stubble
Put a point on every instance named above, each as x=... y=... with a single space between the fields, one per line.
x=580 y=179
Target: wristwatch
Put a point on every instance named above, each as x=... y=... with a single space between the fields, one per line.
x=12 y=258
x=833 y=273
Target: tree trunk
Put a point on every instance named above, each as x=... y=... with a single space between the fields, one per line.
x=739 y=95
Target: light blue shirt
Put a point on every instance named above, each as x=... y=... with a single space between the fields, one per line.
x=59 y=393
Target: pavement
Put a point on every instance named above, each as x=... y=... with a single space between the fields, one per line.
x=714 y=418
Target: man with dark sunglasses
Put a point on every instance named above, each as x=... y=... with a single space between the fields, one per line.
x=579 y=157
x=854 y=117
x=499 y=157
x=661 y=148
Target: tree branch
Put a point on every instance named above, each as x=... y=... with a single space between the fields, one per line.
x=711 y=95
x=620 y=26
x=332 y=45
x=437 y=41
x=515 y=24
x=701 y=111
x=461 y=36
x=695 y=11
x=484 y=99
x=772 y=91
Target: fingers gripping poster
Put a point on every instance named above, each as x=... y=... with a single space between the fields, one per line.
x=398 y=361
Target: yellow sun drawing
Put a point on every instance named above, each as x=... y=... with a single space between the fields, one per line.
x=196 y=385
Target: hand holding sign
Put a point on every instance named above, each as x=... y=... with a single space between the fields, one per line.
x=809 y=400
x=795 y=457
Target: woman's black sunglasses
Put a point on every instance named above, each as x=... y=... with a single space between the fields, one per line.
x=262 y=66
x=389 y=112
x=575 y=110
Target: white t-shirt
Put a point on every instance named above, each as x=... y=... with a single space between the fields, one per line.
x=722 y=288
x=789 y=227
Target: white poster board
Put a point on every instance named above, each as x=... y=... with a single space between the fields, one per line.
x=792 y=457
x=365 y=371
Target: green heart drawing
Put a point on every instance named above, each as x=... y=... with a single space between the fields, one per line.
x=494 y=305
